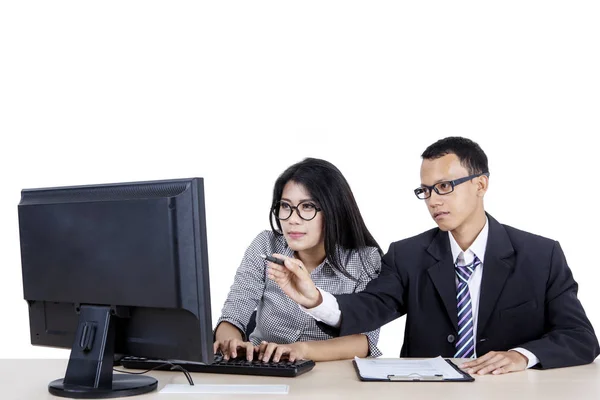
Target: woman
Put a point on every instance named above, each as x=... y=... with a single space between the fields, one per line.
x=319 y=226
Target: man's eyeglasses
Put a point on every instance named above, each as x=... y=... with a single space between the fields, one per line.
x=445 y=187
x=306 y=210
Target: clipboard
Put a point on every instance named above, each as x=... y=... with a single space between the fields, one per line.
x=416 y=377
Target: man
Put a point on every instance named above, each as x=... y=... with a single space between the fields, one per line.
x=470 y=288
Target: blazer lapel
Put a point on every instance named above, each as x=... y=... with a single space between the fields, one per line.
x=442 y=274
x=497 y=266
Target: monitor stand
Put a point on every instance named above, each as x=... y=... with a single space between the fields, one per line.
x=90 y=370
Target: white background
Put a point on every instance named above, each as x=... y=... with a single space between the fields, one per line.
x=236 y=91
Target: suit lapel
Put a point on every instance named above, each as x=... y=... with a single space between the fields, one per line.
x=497 y=266
x=442 y=274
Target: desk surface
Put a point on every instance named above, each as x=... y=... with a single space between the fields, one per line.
x=28 y=379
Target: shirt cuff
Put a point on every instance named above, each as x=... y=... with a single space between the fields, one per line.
x=532 y=359
x=327 y=312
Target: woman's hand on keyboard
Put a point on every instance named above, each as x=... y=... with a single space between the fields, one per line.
x=230 y=348
x=274 y=351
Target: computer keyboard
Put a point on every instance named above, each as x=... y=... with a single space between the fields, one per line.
x=238 y=366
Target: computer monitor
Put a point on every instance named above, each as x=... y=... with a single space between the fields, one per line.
x=116 y=269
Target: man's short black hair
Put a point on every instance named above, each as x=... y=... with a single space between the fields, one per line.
x=468 y=152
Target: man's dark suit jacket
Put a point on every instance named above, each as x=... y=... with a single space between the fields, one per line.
x=528 y=299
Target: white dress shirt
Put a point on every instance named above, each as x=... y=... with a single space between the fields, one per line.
x=329 y=312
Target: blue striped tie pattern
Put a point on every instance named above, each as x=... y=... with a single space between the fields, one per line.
x=465 y=345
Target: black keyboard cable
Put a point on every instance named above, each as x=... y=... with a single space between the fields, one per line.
x=173 y=368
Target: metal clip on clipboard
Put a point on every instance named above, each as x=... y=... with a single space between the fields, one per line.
x=415 y=377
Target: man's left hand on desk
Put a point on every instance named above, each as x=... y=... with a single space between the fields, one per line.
x=496 y=362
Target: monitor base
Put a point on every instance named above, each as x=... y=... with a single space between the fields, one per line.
x=122 y=386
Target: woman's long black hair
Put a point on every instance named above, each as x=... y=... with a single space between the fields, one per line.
x=343 y=222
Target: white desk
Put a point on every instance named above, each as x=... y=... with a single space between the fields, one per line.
x=28 y=379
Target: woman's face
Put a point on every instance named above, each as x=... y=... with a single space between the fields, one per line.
x=300 y=234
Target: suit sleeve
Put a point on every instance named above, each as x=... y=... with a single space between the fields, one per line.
x=371 y=270
x=380 y=302
x=569 y=339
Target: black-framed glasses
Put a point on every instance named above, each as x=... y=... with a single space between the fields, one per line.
x=444 y=187
x=306 y=210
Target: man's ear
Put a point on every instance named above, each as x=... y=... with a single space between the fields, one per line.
x=482 y=185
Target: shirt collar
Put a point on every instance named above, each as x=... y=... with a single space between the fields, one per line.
x=476 y=249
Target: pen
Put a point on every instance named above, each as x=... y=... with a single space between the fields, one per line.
x=273 y=259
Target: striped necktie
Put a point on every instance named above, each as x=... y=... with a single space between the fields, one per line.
x=465 y=345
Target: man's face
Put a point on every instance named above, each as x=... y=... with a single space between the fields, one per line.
x=451 y=210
